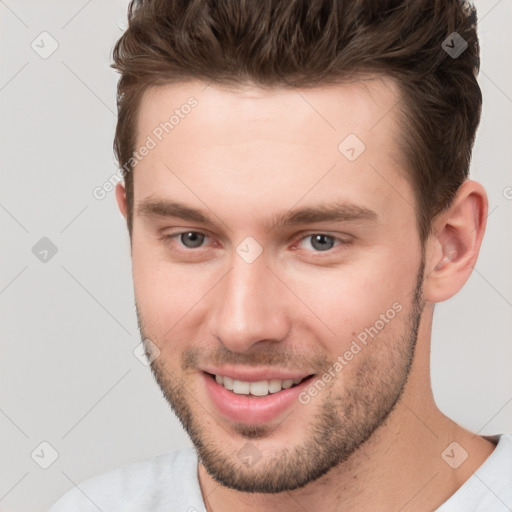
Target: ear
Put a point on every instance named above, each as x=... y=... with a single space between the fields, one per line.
x=121 y=199
x=452 y=248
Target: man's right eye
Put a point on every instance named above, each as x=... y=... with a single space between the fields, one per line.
x=189 y=239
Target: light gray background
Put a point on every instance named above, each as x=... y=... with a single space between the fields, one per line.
x=68 y=374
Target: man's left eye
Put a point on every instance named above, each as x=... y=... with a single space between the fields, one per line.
x=319 y=242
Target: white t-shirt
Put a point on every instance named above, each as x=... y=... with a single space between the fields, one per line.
x=169 y=483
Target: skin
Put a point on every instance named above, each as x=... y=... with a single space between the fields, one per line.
x=243 y=156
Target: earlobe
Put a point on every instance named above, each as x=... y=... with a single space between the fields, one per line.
x=121 y=199
x=452 y=249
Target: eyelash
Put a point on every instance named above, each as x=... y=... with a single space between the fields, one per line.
x=340 y=242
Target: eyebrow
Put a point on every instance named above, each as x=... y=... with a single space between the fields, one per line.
x=161 y=208
x=339 y=211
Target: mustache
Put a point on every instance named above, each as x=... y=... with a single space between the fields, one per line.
x=285 y=359
x=195 y=358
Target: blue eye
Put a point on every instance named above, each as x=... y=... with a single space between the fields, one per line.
x=191 y=239
x=321 y=242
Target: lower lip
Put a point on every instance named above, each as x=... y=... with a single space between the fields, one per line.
x=249 y=409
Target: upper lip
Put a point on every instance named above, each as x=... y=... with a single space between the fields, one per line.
x=256 y=374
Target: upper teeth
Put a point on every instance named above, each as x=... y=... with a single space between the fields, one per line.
x=260 y=388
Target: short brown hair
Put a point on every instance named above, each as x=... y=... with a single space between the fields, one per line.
x=308 y=43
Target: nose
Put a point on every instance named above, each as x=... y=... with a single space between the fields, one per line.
x=250 y=306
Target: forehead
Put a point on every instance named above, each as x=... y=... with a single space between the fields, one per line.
x=354 y=107
x=261 y=144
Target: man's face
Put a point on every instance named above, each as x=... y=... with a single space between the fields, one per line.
x=258 y=292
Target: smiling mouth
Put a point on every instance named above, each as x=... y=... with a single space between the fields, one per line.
x=256 y=389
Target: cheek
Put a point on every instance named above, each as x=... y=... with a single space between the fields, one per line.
x=168 y=295
x=351 y=299
x=156 y=289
